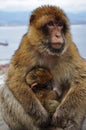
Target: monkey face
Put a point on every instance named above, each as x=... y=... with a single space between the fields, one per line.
x=56 y=39
x=51 y=25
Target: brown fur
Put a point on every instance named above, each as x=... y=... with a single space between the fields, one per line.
x=67 y=68
x=42 y=88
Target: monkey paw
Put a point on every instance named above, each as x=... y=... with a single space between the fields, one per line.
x=38 y=76
x=42 y=121
x=71 y=125
x=64 y=120
x=57 y=117
x=51 y=106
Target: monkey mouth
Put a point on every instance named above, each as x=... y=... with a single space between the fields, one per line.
x=53 y=48
x=56 y=47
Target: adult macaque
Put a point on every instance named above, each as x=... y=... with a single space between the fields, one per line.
x=48 y=44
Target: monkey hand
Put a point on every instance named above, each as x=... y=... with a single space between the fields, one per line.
x=42 y=121
x=51 y=105
x=38 y=76
x=66 y=117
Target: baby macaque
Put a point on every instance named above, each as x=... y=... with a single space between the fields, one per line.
x=42 y=87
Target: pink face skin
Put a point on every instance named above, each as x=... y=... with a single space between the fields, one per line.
x=55 y=32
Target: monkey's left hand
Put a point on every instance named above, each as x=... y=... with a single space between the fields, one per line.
x=70 y=113
x=60 y=119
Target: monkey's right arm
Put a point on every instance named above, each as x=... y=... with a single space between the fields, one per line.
x=26 y=97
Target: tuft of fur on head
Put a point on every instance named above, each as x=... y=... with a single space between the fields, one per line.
x=48 y=11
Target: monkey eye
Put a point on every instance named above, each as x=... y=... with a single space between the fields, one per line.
x=60 y=24
x=51 y=23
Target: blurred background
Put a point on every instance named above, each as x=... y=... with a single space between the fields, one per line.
x=14 y=17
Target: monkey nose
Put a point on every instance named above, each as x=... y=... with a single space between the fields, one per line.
x=57 y=34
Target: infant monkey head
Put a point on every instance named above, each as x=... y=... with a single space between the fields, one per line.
x=40 y=81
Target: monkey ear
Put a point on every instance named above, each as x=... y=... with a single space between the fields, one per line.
x=32 y=18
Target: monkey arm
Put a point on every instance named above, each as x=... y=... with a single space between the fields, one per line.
x=27 y=99
x=72 y=108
